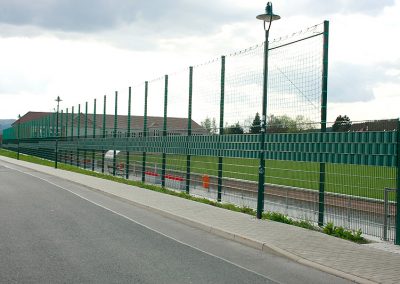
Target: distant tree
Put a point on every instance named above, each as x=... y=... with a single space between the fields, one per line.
x=214 y=129
x=256 y=125
x=234 y=129
x=342 y=124
x=286 y=124
x=206 y=123
x=304 y=124
x=281 y=124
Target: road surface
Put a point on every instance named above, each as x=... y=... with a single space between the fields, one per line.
x=55 y=231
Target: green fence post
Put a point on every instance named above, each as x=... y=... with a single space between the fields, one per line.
x=115 y=133
x=164 y=155
x=48 y=123
x=324 y=95
x=61 y=123
x=146 y=89
x=72 y=135
x=52 y=125
x=221 y=128
x=128 y=133
x=397 y=225
x=60 y=133
x=104 y=132
x=72 y=123
x=57 y=132
x=85 y=135
x=66 y=122
x=46 y=126
x=18 y=134
x=78 y=134
x=94 y=126
x=189 y=133
x=66 y=133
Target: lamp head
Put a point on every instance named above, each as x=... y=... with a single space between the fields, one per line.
x=269 y=16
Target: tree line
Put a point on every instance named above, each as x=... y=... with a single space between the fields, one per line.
x=276 y=124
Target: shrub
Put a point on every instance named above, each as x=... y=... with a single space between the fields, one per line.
x=340 y=232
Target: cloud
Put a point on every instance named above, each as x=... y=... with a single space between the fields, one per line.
x=320 y=8
x=355 y=83
x=98 y=15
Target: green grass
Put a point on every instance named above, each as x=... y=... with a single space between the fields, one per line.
x=356 y=180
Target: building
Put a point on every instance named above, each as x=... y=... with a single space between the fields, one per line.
x=375 y=125
x=44 y=124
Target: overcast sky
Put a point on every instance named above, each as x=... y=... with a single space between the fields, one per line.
x=83 y=49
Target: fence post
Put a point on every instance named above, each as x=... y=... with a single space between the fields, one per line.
x=48 y=126
x=128 y=133
x=19 y=135
x=72 y=133
x=189 y=133
x=66 y=134
x=61 y=123
x=78 y=134
x=146 y=90
x=164 y=155
x=397 y=237
x=94 y=126
x=104 y=132
x=66 y=122
x=52 y=125
x=115 y=133
x=60 y=133
x=321 y=195
x=86 y=135
x=221 y=128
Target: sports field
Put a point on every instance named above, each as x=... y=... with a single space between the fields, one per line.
x=363 y=181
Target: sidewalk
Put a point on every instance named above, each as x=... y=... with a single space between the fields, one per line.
x=360 y=263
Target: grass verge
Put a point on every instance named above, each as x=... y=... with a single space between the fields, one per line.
x=330 y=228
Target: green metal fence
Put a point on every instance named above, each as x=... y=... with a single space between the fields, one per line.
x=198 y=130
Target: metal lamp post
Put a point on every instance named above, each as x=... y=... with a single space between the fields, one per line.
x=267 y=19
x=58 y=100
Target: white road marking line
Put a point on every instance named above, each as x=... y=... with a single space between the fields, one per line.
x=140 y=224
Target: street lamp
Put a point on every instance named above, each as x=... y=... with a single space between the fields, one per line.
x=58 y=100
x=267 y=18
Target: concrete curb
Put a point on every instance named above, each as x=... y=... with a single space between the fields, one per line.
x=249 y=242
x=219 y=232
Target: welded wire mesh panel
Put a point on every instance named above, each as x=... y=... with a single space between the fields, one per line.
x=206 y=97
x=206 y=117
x=134 y=162
x=292 y=189
x=155 y=124
x=177 y=125
x=178 y=100
x=355 y=196
x=243 y=89
x=295 y=76
x=137 y=110
x=204 y=176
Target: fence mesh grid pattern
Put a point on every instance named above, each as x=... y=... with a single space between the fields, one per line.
x=198 y=130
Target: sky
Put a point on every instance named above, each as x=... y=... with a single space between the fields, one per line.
x=84 y=49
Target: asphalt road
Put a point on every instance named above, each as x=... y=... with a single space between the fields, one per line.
x=55 y=231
